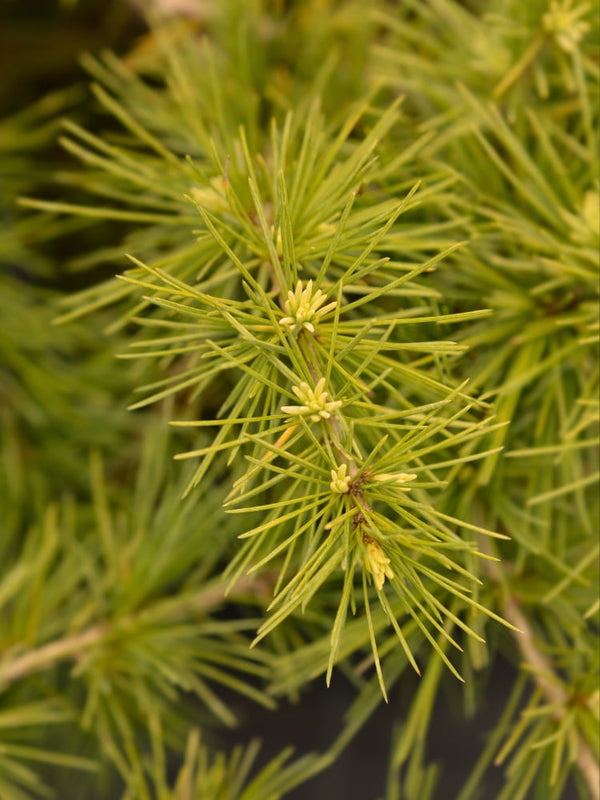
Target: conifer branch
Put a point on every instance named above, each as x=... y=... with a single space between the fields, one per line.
x=545 y=677
x=75 y=646
x=363 y=290
x=49 y=655
x=543 y=673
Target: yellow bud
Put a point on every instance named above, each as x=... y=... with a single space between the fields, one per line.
x=376 y=562
x=340 y=480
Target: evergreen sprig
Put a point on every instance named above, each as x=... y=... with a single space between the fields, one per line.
x=363 y=288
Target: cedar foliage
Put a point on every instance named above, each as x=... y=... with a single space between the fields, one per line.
x=356 y=298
